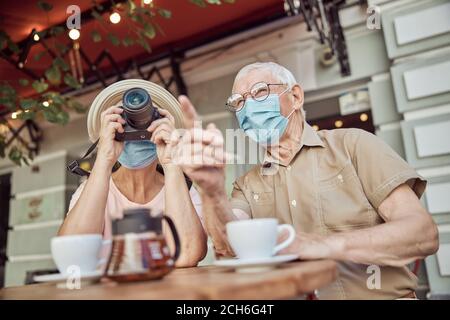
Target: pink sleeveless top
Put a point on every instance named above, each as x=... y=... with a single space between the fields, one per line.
x=116 y=203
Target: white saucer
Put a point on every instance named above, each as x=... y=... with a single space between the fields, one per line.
x=255 y=265
x=88 y=277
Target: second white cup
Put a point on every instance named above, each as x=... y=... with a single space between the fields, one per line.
x=257 y=238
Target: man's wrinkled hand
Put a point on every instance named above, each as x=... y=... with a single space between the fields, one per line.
x=308 y=246
x=200 y=152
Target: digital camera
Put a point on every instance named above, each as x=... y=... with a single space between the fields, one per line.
x=139 y=113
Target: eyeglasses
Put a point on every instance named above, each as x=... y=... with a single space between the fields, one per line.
x=259 y=92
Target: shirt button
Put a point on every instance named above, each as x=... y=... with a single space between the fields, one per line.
x=294 y=203
x=288 y=168
x=256 y=197
x=341 y=179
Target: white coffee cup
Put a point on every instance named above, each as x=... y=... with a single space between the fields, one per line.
x=257 y=238
x=78 y=251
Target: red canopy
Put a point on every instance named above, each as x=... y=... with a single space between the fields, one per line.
x=189 y=25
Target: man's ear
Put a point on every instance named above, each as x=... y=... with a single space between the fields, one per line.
x=299 y=96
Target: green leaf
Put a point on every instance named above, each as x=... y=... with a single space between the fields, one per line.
x=55 y=115
x=165 y=13
x=15 y=155
x=25 y=160
x=8 y=102
x=75 y=105
x=7 y=90
x=127 y=41
x=8 y=96
x=28 y=103
x=97 y=16
x=29 y=115
x=137 y=17
x=131 y=7
x=62 y=117
x=62 y=48
x=113 y=39
x=44 y=6
x=159 y=29
x=200 y=3
x=56 y=30
x=53 y=75
x=54 y=98
x=49 y=115
x=60 y=63
x=149 y=30
x=141 y=40
x=23 y=82
x=96 y=36
x=39 y=55
x=98 y=6
x=2 y=146
x=71 y=81
x=39 y=86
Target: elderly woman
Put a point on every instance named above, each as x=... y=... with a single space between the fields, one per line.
x=137 y=183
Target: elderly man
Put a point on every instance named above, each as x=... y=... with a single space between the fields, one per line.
x=349 y=196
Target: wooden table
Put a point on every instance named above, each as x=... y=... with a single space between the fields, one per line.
x=289 y=281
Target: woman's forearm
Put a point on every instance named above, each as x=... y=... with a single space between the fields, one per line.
x=88 y=214
x=179 y=207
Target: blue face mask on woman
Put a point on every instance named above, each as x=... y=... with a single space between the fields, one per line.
x=262 y=121
x=138 y=154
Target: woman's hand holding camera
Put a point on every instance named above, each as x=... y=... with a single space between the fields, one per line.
x=110 y=149
x=161 y=131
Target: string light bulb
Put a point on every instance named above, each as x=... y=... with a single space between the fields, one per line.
x=338 y=123
x=363 y=117
x=148 y=1
x=14 y=115
x=315 y=127
x=114 y=17
x=74 y=34
x=36 y=37
x=45 y=104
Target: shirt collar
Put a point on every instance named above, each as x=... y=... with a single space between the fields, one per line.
x=309 y=138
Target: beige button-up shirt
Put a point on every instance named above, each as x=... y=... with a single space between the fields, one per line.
x=335 y=183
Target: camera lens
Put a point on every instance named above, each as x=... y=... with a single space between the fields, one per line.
x=138 y=108
x=135 y=99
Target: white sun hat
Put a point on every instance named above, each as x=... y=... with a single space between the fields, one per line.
x=112 y=95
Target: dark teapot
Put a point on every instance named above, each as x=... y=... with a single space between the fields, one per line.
x=139 y=249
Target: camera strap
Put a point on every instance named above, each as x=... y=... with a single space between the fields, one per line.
x=74 y=166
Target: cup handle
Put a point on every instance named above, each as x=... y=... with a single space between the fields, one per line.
x=286 y=242
x=176 y=238
x=102 y=261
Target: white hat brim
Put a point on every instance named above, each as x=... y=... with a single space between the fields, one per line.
x=113 y=94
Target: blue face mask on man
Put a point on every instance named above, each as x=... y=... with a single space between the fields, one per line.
x=262 y=121
x=138 y=154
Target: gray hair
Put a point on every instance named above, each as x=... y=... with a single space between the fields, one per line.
x=278 y=72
